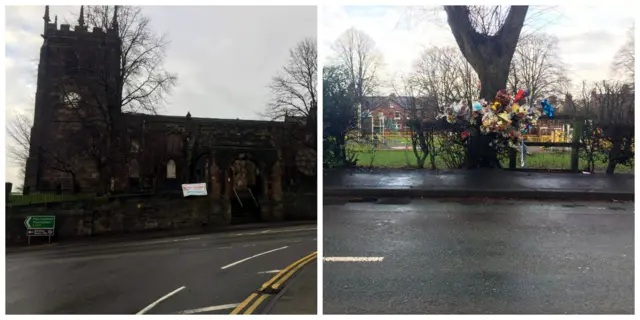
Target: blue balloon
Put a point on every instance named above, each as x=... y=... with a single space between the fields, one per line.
x=477 y=106
x=547 y=108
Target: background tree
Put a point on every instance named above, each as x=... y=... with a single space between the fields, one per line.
x=339 y=115
x=615 y=117
x=422 y=137
x=19 y=141
x=608 y=133
x=625 y=59
x=294 y=90
x=537 y=67
x=356 y=52
x=445 y=77
x=593 y=143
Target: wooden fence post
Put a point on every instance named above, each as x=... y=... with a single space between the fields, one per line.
x=512 y=159
x=575 y=144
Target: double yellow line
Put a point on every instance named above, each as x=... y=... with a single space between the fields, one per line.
x=273 y=286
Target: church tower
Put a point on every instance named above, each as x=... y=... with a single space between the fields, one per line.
x=78 y=77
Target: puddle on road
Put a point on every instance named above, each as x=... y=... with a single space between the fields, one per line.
x=572 y=205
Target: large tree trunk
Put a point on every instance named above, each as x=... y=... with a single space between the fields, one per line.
x=490 y=57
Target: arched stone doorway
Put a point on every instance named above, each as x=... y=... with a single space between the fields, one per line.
x=245 y=189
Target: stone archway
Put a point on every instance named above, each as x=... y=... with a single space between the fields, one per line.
x=246 y=189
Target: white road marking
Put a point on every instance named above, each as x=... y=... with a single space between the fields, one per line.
x=212 y=308
x=248 y=245
x=224 y=248
x=151 y=306
x=270 y=271
x=353 y=259
x=254 y=256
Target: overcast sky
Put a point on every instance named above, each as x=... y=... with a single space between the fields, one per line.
x=224 y=56
x=589 y=36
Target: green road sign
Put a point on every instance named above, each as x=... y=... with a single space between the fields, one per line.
x=40 y=222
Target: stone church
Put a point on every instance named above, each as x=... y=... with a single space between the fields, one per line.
x=81 y=141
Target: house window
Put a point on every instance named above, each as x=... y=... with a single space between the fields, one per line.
x=171 y=169
x=397 y=114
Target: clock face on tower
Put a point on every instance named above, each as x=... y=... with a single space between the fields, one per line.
x=71 y=100
x=306 y=161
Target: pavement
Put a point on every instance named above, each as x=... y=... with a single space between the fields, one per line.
x=478 y=257
x=478 y=183
x=196 y=274
x=301 y=296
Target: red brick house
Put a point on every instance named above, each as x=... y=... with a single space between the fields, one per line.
x=384 y=114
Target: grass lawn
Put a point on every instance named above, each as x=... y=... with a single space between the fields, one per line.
x=402 y=158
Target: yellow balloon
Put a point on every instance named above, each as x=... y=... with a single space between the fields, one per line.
x=505 y=117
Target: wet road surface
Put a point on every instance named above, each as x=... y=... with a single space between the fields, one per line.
x=476 y=180
x=203 y=274
x=466 y=257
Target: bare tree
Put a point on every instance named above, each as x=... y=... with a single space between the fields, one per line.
x=422 y=137
x=608 y=107
x=19 y=134
x=130 y=78
x=615 y=117
x=19 y=140
x=446 y=76
x=486 y=19
x=142 y=82
x=294 y=90
x=625 y=59
x=537 y=67
x=592 y=140
x=59 y=158
x=487 y=41
x=356 y=51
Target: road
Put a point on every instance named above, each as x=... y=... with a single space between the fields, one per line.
x=478 y=257
x=203 y=274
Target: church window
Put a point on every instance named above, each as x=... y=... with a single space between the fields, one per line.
x=134 y=169
x=171 y=169
x=173 y=144
x=135 y=147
